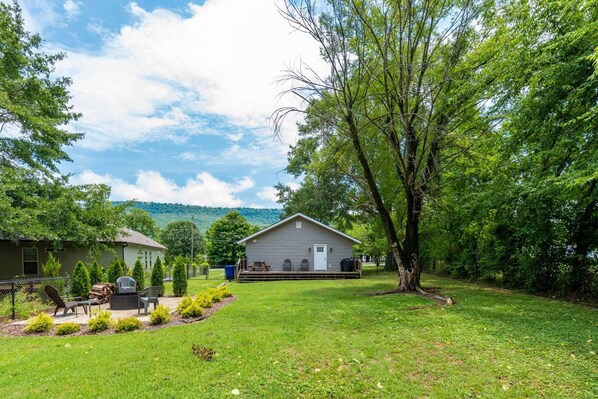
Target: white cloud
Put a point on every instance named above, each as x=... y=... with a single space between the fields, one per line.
x=72 y=8
x=204 y=189
x=268 y=194
x=160 y=77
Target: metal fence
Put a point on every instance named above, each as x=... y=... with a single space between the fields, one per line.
x=22 y=297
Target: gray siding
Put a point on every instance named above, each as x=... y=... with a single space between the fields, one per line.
x=288 y=242
x=147 y=255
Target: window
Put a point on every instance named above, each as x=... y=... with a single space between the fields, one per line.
x=30 y=261
x=298 y=225
x=146 y=259
x=51 y=249
x=319 y=249
x=150 y=263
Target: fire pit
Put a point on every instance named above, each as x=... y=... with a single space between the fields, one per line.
x=126 y=296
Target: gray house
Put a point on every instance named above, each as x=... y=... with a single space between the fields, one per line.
x=27 y=256
x=295 y=241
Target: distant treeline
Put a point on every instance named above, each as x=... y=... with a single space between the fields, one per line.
x=204 y=216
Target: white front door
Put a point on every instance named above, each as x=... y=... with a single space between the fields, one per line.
x=320 y=257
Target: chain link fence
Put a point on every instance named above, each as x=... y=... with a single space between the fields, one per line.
x=22 y=297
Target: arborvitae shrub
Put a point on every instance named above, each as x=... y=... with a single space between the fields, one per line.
x=67 y=328
x=125 y=268
x=160 y=315
x=81 y=284
x=52 y=267
x=158 y=274
x=127 y=324
x=96 y=273
x=115 y=271
x=101 y=322
x=179 y=278
x=138 y=275
x=39 y=324
x=193 y=310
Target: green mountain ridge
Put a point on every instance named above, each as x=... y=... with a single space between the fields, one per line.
x=204 y=216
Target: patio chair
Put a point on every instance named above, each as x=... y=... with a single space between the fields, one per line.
x=148 y=295
x=287 y=266
x=54 y=295
x=304 y=267
x=126 y=285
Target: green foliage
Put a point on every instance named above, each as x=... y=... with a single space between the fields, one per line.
x=115 y=271
x=80 y=285
x=225 y=292
x=160 y=315
x=41 y=323
x=184 y=303
x=193 y=310
x=223 y=235
x=139 y=220
x=125 y=268
x=158 y=274
x=204 y=300
x=204 y=216
x=67 y=328
x=181 y=237
x=52 y=266
x=215 y=294
x=179 y=279
x=101 y=322
x=127 y=324
x=139 y=275
x=96 y=273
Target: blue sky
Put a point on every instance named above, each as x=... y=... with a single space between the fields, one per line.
x=176 y=95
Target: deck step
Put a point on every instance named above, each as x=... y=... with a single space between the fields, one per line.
x=248 y=276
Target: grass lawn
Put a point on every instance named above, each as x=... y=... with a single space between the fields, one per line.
x=328 y=339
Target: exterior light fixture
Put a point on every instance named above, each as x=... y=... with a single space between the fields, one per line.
x=308 y=249
x=331 y=249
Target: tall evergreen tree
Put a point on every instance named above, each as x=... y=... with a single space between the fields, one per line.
x=158 y=274
x=80 y=285
x=138 y=275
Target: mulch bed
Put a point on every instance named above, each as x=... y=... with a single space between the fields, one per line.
x=176 y=320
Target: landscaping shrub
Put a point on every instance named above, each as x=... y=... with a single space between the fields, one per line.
x=204 y=300
x=81 y=285
x=52 y=267
x=215 y=294
x=25 y=304
x=158 y=274
x=184 y=303
x=115 y=271
x=127 y=324
x=225 y=292
x=101 y=322
x=39 y=324
x=160 y=315
x=193 y=310
x=138 y=275
x=125 y=268
x=96 y=273
x=67 y=328
x=179 y=279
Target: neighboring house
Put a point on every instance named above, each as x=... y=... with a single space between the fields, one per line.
x=297 y=238
x=26 y=257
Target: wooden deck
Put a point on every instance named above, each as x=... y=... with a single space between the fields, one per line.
x=246 y=276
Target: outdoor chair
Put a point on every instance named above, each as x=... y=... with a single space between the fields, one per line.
x=148 y=295
x=304 y=267
x=287 y=266
x=126 y=285
x=54 y=295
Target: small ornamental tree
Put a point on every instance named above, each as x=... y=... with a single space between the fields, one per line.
x=96 y=273
x=125 y=268
x=81 y=284
x=138 y=275
x=179 y=278
x=158 y=274
x=115 y=271
x=52 y=267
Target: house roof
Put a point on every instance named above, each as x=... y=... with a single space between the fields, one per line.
x=134 y=237
x=244 y=240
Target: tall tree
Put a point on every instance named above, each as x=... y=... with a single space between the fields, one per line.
x=222 y=237
x=141 y=221
x=403 y=91
x=181 y=238
x=35 y=200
